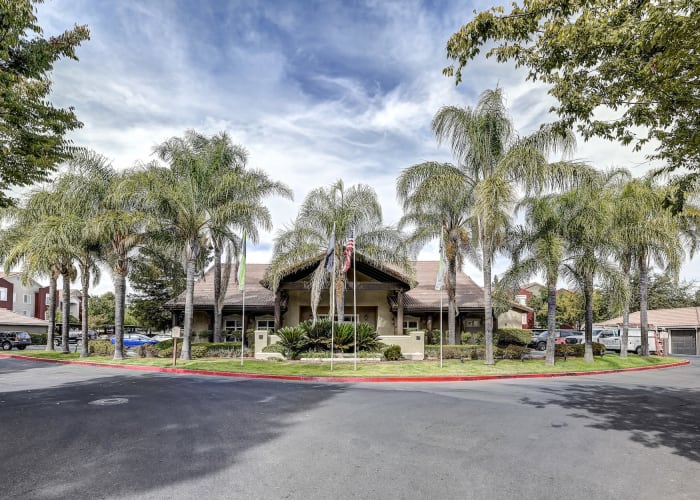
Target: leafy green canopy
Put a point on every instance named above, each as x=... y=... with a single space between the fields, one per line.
x=31 y=129
x=635 y=61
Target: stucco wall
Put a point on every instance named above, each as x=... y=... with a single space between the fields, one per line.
x=510 y=319
x=411 y=345
x=372 y=304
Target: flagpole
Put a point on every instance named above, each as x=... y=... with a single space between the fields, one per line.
x=354 y=293
x=243 y=327
x=241 y=287
x=332 y=299
x=441 y=328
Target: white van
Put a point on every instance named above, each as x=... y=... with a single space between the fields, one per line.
x=611 y=337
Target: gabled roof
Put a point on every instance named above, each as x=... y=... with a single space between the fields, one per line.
x=255 y=293
x=422 y=297
x=664 y=318
x=8 y=317
x=377 y=271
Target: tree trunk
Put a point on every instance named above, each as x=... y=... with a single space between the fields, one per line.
x=84 y=289
x=452 y=298
x=218 y=303
x=119 y=303
x=488 y=307
x=551 y=321
x=52 y=311
x=65 y=324
x=643 y=284
x=625 y=310
x=588 y=302
x=340 y=295
x=189 y=310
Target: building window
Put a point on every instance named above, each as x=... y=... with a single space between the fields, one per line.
x=410 y=324
x=473 y=323
x=233 y=325
x=48 y=299
x=3 y=293
x=26 y=299
x=523 y=319
x=521 y=299
x=265 y=324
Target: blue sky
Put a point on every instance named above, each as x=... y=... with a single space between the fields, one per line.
x=315 y=90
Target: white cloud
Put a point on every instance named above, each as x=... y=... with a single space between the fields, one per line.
x=314 y=93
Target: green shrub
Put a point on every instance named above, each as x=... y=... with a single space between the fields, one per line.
x=318 y=334
x=515 y=352
x=472 y=338
x=147 y=351
x=274 y=348
x=392 y=353
x=101 y=348
x=199 y=351
x=511 y=336
x=294 y=341
x=367 y=338
x=38 y=338
x=578 y=350
x=344 y=337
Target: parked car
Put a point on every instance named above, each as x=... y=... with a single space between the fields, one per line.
x=20 y=340
x=580 y=339
x=74 y=336
x=135 y=340
x=539 y=340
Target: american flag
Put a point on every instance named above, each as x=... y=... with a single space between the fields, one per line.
x=349 y=247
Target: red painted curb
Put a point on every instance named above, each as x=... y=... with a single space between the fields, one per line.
x=330 y=378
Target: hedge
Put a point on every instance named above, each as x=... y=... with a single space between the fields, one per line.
x=38 y=338
x=200 y=350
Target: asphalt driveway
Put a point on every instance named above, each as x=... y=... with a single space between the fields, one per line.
x=84 y=432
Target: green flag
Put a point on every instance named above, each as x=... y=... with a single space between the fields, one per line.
x=241 y=268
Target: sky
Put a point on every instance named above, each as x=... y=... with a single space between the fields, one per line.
x=316 y=91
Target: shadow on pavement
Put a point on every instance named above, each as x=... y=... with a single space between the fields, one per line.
x=655 y=416
x=172 y=429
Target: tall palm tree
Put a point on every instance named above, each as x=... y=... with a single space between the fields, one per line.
x=199 y=200
x=83 y=190
x=587 y=226
x=437 y=203
x=40 y=243
x=353 y=209
x=538 y=247
x=649 y=233
x=495 y=162
x=120 y=228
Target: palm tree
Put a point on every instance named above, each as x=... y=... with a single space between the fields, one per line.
x=120 y=228
x=355 y=209
x=199 y=200
x=240 y=209
x=437 y=203
x=40 y=243
x=649 y=233
x=83 y=190
x=587 y=227
x=539 y=248
x=494 y=162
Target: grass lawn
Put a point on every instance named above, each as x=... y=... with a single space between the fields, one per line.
x=382 y=369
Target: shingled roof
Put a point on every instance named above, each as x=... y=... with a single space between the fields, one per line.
x=8 y=317
x=422 y=297
x=664 y=318
x=255 y=294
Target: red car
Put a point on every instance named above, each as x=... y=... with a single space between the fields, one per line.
x=539 y=340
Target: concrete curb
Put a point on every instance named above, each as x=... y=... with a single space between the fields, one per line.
x=330 y=378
